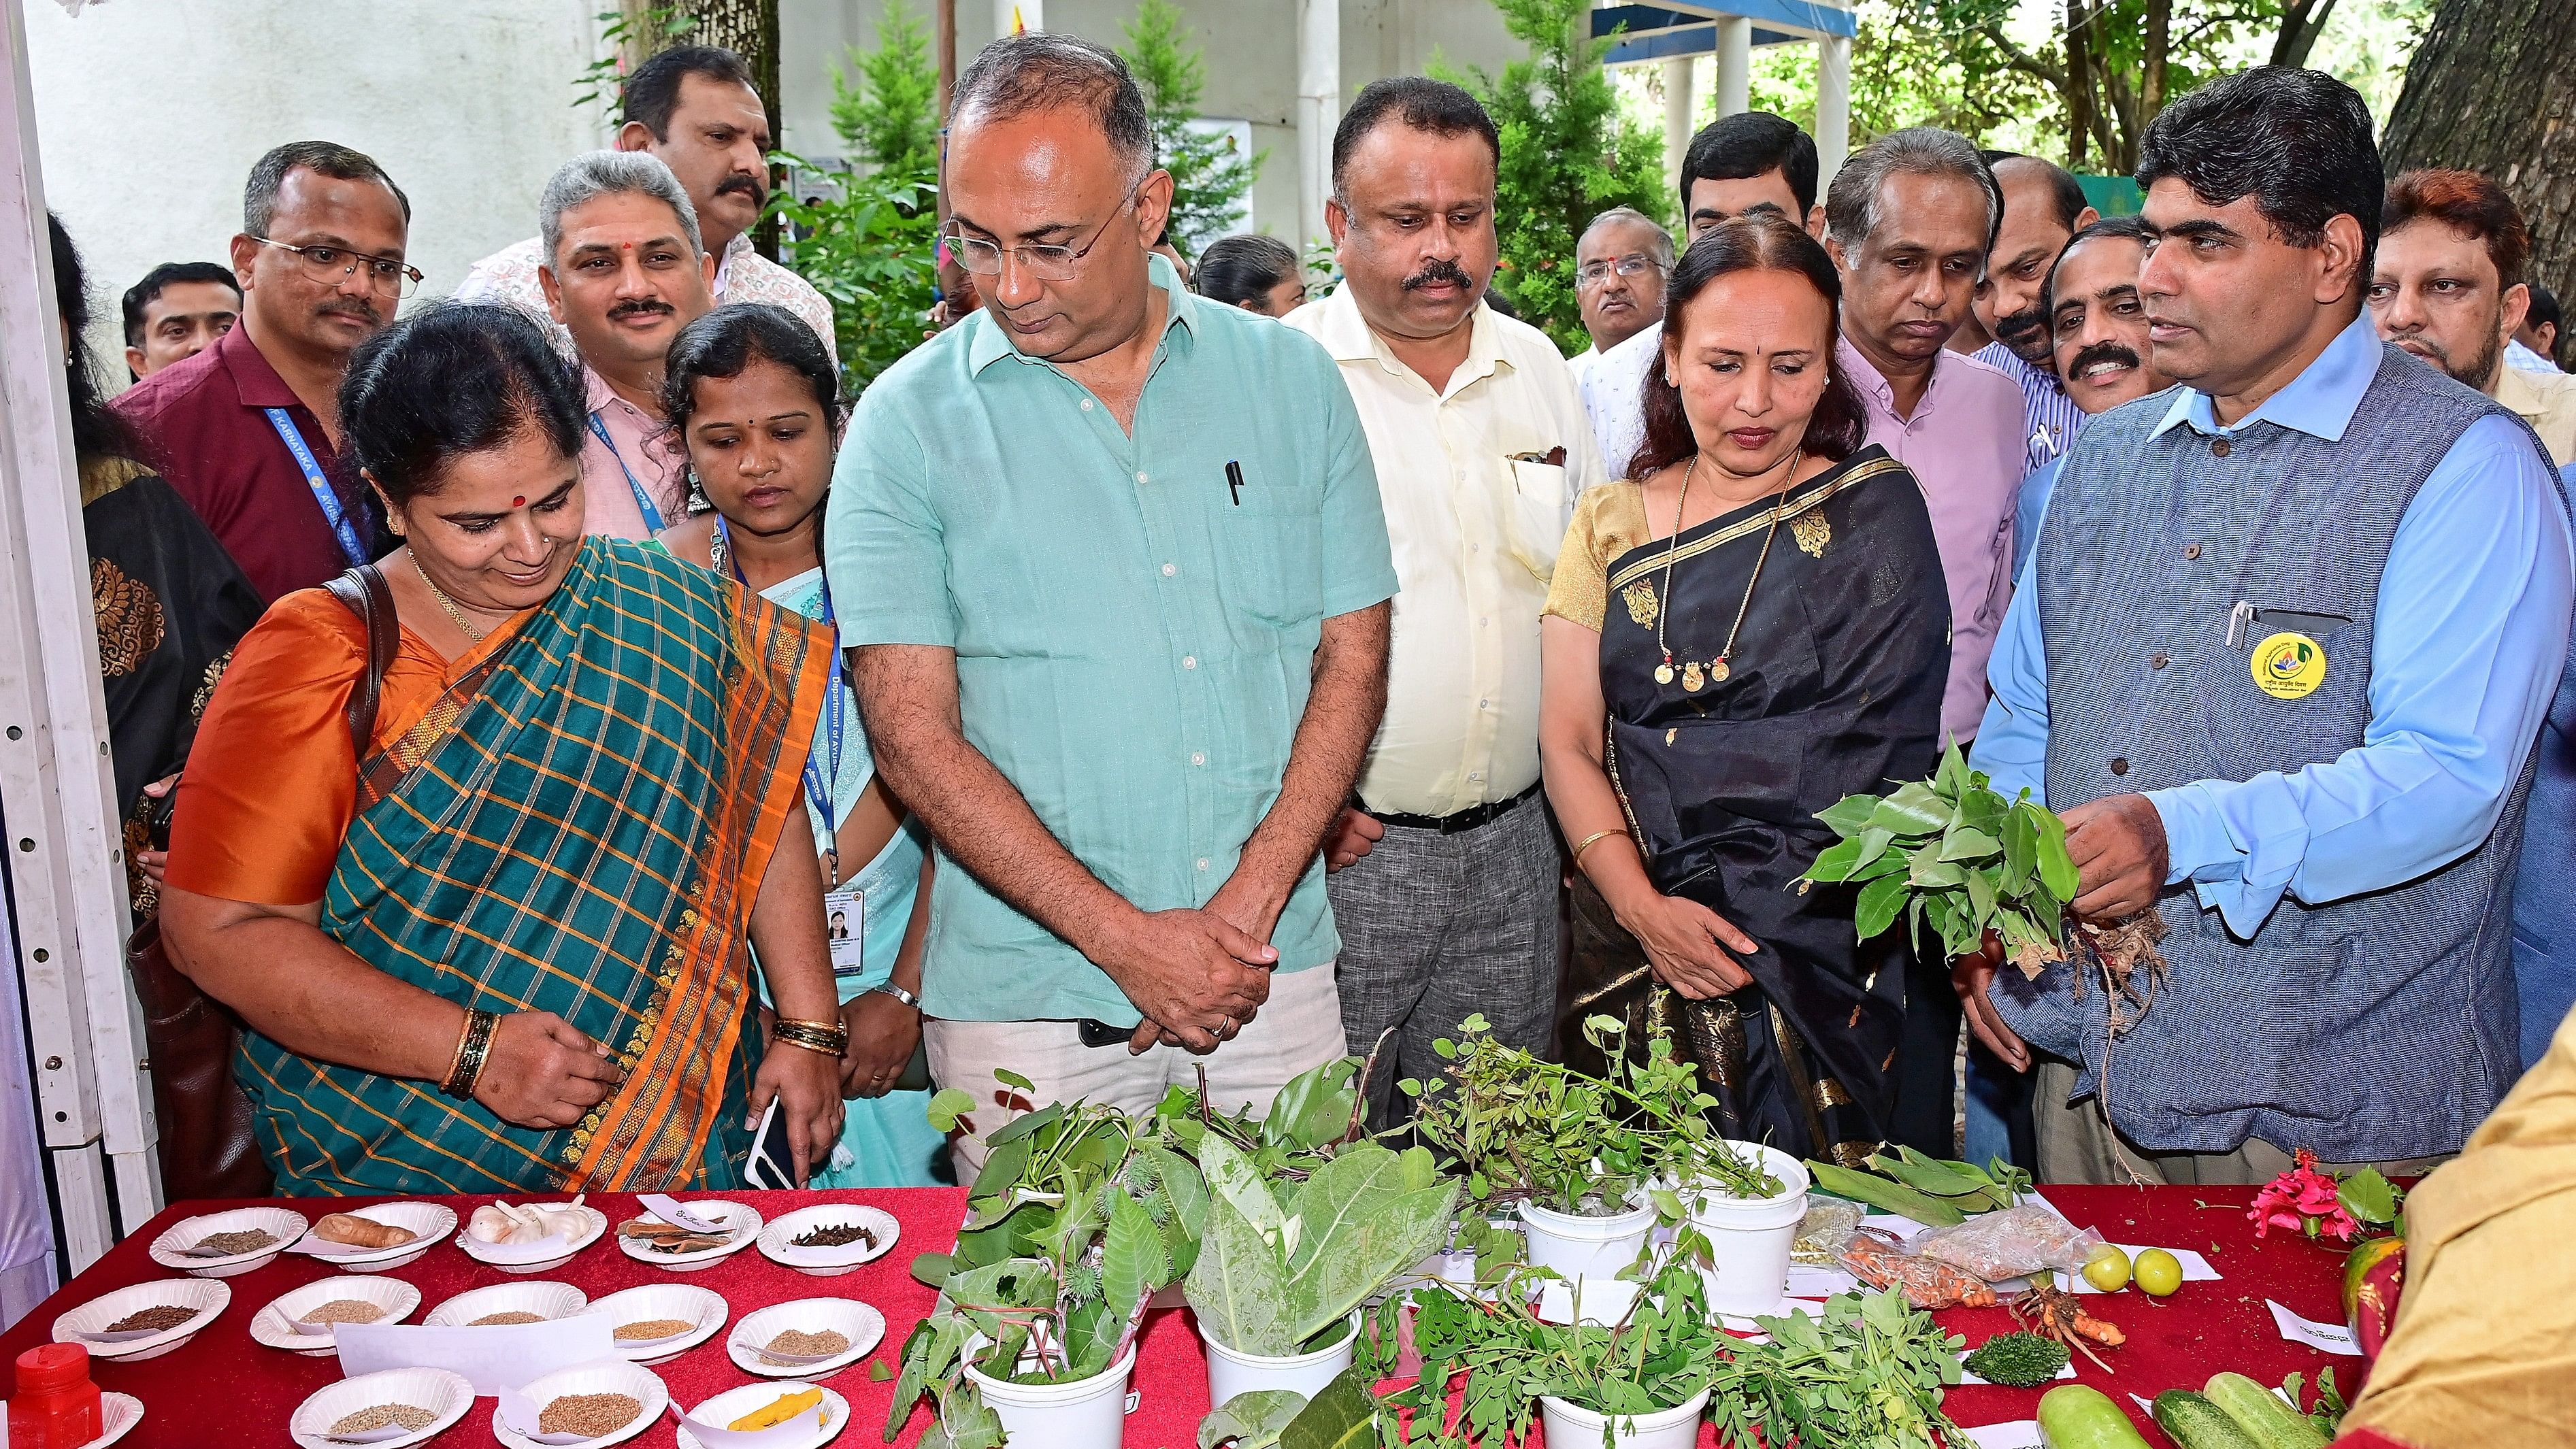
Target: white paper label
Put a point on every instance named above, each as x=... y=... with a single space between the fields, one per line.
x=2012 y=1434
x=495 y=1356
x=2323 y=1337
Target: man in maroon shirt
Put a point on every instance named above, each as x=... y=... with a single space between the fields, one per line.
x=248 y=431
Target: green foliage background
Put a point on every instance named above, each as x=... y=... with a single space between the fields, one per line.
x=1210 y=175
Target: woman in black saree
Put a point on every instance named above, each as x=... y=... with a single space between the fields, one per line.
x=1749 y=627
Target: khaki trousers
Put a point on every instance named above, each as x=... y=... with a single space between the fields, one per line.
x=2075 y=1145
x=1298 y=1028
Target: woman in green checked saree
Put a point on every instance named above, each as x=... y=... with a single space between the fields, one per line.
x=506 y=947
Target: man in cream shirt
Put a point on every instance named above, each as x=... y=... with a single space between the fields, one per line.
x=1445 y=871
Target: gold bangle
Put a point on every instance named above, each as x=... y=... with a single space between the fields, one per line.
x=829 y=1038
x=1589 y=841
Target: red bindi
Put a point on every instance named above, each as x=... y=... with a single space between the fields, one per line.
x=518 y=501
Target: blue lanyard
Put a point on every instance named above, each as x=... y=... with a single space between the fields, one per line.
x=644 y=503
x=818 y=782
x=338 y=517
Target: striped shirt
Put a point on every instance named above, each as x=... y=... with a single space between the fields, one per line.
x=2051 y=420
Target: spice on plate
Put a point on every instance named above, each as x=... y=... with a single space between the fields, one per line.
x=652 y=1329
x=695 y=1243
x=345 y=1310
x=589 y=1415
x=797 y=1341
x=248 y=1240
x=384 y=1416
x=837 y=1235
x=153 y=1319
x=513 y=1316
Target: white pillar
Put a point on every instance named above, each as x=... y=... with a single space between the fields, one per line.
x=1833 y=108
x=1734 y=64
x=1010 y=15
x=1677 y=115
x=1319 y=109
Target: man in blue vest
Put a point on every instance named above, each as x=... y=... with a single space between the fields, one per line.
x=2291 y=630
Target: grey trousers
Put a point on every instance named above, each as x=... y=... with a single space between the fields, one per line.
x=1436 y=928
x=2076 y=1145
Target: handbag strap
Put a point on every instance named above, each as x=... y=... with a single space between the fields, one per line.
x=364 y=591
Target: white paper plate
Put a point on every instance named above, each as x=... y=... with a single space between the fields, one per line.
x=426 y=1221
x=280 y=1224
x=536 y=1257
x=206 y=1296
x=117 y=1416
x=703 y=1306
x=448 y=1395
x=739 y=1218
x=862 y=1325
x=732 y=1404
x=274 y=1324
x=777 y=1241
x=613 y=1377
x=548 y=1301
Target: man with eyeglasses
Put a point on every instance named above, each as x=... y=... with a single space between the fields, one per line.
x=1111 y=561
x=248 y=431
x=1620 y=264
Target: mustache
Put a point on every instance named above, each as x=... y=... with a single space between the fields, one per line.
x=2020 y=323
x=2103 y=351
x=746 y=183
x=1440 y=270
x=344 y=307
x=639 y=306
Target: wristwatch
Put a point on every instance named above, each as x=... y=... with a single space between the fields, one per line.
x=897 y=992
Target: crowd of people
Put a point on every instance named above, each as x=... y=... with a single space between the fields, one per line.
x=580 y=730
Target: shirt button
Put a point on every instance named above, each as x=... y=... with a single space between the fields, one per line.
x=2157 y=660
x=1086 y=404
x=1475 y=778
x=2191 y=550
x=1140 y=475
x=1198 y=757
x=1189 y=661
x=2119 y=764
x=2221 y=448
x=1168 y=571
x=1484 y=704
x=1202 y=862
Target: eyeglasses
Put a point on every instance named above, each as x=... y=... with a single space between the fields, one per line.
x=1046 y=263
x=1593 y=273
x=388 y=277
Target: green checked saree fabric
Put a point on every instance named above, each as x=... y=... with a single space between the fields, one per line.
x=579 y=825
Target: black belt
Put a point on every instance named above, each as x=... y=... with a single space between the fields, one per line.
x=1459 y=821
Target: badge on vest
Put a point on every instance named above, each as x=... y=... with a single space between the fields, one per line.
x=2289 y=666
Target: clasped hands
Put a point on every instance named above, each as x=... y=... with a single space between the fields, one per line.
x=1199 y=976
x=2121 y=860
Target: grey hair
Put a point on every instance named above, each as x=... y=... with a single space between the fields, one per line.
x=594 y=174
x=1661 y=246
x=1851 y=204
x=1041 y=70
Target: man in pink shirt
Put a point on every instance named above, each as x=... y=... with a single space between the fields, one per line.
x=625 y=271
x=1909 y=220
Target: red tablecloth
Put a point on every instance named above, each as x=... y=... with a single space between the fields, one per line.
x=224 y=1389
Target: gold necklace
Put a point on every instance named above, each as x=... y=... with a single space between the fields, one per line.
x=1717 y=669
x=470 y=632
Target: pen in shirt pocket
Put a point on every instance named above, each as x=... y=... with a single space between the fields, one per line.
x=1234 y=481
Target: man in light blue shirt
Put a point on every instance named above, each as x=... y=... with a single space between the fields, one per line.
x=1112 y=565
x=2286 y=641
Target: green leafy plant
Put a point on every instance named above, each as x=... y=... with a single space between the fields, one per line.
x=1929 y=1190
x=1568 y=155
x=868 y=241
x=1283 y=1263
x=1951 y=853
x=625 y=31
x=1868 y=1374
x=2017 y=1360
x=1251 y=1420
x=889 y=117
x=1210 y=175
x=2327 y=1413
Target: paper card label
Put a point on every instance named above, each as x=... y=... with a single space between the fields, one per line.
x=495 y=1356
x=2013 y=1434
x=845 y=920
x=1806 y=1280
x=2323 y=1337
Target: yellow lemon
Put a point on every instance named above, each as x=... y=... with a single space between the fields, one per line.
x=2159 y=1272
x=2108 y=1268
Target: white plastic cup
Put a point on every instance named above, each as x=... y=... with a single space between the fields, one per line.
x=1749 y=1241
x=1579 y=1247
x=1231 y=1373
x=1570 y=1426
x=1084 y=1414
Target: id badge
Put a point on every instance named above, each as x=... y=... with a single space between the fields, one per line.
x=845 y=929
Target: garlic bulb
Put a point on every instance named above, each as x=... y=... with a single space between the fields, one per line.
x=500 y=1222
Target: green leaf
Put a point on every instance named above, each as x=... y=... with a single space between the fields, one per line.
x=1912 y=810
x=1251 y=1420
x=1849 y=815
x=1025 y=1125
x=1981 y=899
x=947 y=1105
x=1133 y=1259
x=1343 y=1416
x=1009 y=1078
x=2368 y=1195
x=1239 y=1285
x=1966 y=842
x=1951 y=779
x=1881 y=1192
x=1232 y=1178
x=1934 y=873
x=1314 y=1108
x=1836 y=862
x=1880 y=901
x=2056 y=868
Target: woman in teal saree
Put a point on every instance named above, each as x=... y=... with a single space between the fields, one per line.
x=507 y=946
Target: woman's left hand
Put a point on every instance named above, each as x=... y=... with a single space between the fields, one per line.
x=883 y=1035
x=808 y=1089
x=154 y=862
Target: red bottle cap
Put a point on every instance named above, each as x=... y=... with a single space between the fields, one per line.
x=52 y=1366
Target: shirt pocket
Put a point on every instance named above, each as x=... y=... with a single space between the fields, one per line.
x=1535 y=516
x=1276 y=557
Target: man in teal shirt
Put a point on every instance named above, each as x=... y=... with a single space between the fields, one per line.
x=1112 y=568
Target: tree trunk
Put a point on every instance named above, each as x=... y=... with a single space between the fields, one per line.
x=2302 y=21
x=2079 y=87
x=748 y=28
x=2151 y=86
x=2489 y=90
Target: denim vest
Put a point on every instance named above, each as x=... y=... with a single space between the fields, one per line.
x=2376 y=1027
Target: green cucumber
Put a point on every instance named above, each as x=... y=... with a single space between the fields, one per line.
x=2193 y=1422
x=2270 y=1423
x=2076 y=1416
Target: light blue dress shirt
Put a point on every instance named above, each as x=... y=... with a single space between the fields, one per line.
x=2030 y=506
x=2469 y=639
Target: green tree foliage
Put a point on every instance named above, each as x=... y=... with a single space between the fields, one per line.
x=890 y=117
x=1210 y=174
x=1568 y=156
x=868 y=242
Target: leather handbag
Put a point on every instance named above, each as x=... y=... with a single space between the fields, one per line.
x=207 y=1148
